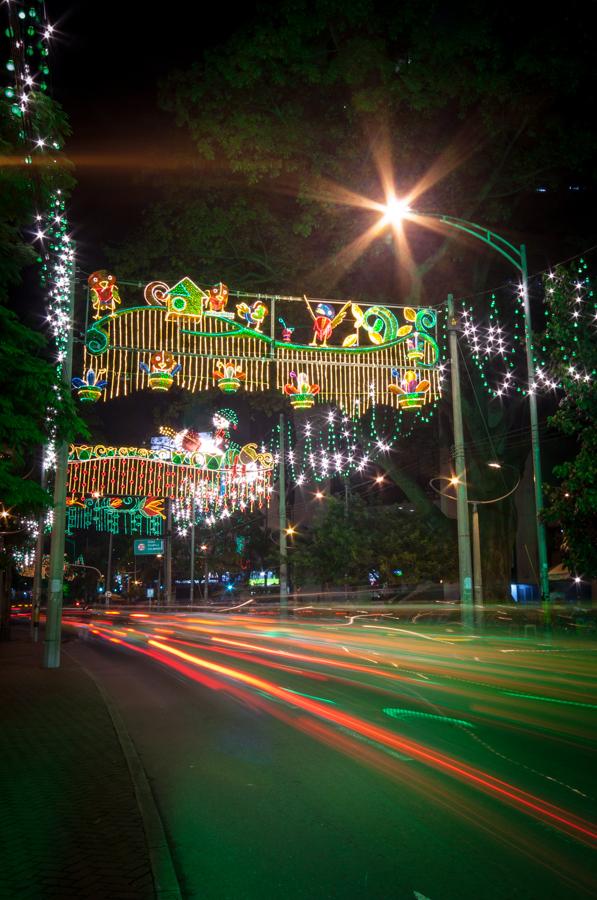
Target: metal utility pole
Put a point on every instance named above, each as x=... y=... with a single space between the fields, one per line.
x=283 y=522
x=465 y=568
x=51 y=655
x=168 y=559
x=477 y=570
x=535 y=447
x=108 y=585
x=192 y=590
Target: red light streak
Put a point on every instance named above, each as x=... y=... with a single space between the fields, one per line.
x=386 y=738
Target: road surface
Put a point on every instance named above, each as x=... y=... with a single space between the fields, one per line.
x=355 y=759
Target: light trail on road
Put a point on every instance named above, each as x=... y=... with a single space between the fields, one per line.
x=465 y=695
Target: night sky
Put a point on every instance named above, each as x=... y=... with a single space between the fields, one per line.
x=106 y=65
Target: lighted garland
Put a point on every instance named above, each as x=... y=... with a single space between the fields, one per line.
x=489 y=341
x=27 y=35
x=578 y=297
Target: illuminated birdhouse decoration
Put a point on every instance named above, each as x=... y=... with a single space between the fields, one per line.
x=411 y=392
x=161 y=370
x=228 y=377
x=89 y=389
x=184 y=299
x=301 y=392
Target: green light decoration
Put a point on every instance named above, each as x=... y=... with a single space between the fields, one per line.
x=142 y=516
x=493 y=345
x=334 y=444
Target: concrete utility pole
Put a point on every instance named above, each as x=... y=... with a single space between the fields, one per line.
x=37 y=565
x=282 y=521
x=477 y=568
x=192 y=590
x=51 y=656
x=465 y=567
x=108 y=585
x=168 y=559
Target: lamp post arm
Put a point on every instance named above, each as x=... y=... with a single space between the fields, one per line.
x=493 y=240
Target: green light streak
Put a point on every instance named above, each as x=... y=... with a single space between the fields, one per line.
x=311 y=696
x=551 y=700
x=413 y=714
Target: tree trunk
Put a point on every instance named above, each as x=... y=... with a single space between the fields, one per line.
x=5 y=573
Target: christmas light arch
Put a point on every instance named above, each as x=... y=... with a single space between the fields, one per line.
x=185 y=335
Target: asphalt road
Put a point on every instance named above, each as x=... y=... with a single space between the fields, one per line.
x=356 y=760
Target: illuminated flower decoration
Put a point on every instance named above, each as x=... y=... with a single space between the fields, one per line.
x=414 y=350
x=161 y=370
x=411 y=392
x=301 y=392
x=228 y=377
x=153 y=506
x=89 y=389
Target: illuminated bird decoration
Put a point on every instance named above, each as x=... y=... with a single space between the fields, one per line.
x=253 y=315
x=89 y=389
x=301 y=392
x=218 y=298
x=104 y=293
x=410 y=391
x=325 y=321
x=287 y=331
x=229 y=376
x=161 y=370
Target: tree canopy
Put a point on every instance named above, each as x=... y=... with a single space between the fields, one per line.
x=347 y=541
x=469 y=107
x=572 y=358
x=27 y=391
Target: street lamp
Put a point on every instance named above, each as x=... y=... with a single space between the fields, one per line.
x=396 y=210
x=204 y=548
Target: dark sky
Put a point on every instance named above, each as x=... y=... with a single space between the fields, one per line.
x=106 y=63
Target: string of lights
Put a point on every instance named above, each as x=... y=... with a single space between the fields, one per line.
x=498 y=349
x=28 y=35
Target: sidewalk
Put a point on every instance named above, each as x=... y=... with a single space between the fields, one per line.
x=70 y=826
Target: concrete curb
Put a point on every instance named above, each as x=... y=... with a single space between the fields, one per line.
x=166 y=884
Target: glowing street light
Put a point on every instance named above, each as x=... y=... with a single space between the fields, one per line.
x=395 y=210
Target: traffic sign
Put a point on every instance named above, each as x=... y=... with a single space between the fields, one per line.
x=148 y=547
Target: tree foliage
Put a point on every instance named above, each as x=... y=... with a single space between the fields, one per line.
x=477 y=105
x=24 y=189
x=346 y=542
x=27 y=392
x=572 y=348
